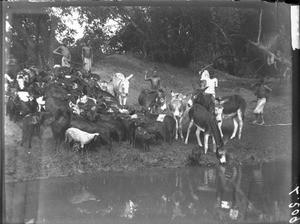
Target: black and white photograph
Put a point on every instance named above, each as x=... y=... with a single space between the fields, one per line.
x=149 y=112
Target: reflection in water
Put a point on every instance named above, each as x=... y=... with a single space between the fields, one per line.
x=211 y=194
x=82 y=196
x=129 y=210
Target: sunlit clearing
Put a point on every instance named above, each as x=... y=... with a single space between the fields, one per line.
x=71 y=21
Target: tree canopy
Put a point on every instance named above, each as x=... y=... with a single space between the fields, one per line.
x=228 y=38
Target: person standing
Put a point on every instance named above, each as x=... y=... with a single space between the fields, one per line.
x=262 y=92
x=65 y=52
x=87 y=57
x=154 y=80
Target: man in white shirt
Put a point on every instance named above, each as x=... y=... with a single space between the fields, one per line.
x=211 y=83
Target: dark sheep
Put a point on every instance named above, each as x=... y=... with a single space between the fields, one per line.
x=12 y=110
x=53 y=105
x=28 y=107
x=31 y=125
x=167 y=121
x=129 y=126
x=16 y=108
x=115 y=126
x=54 y=89
x=36 y=89
x=144 y=137
x=155 y=127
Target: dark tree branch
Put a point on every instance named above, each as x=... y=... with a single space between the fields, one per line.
x=222 y=31
x=265 y=50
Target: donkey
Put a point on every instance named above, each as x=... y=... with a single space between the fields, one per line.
x=177 y=106
x=119 y=87
x=231 y=107
x=206 y=122
x=202 y=113
x=206 y=100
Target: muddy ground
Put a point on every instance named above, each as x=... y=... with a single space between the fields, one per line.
x=259 y=143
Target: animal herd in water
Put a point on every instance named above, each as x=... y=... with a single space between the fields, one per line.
x=85 y=112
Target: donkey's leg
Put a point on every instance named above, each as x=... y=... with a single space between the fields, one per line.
x=188 y=131
x=124 y=101
x=206 y=136
x=214 y=144
x=235 y=125
x=177 y=127
x=120 y=100
x=220 y=128
x=198 y=136
x=241 y=123
x=180 y=128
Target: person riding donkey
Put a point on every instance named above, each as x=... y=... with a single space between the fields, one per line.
x=209 y=82
x=154 y=80
x=65 y=52
x=262 y=92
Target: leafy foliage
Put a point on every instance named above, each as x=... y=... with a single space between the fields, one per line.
x=175 y=35
x=29 y=36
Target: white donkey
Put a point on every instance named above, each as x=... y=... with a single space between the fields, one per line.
x=119 y=87
x=177 y=106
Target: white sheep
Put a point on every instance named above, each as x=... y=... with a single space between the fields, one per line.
x=79 y=136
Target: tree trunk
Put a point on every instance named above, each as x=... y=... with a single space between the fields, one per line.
x=259 y=28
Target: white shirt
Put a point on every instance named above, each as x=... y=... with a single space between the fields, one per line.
x=211 y=84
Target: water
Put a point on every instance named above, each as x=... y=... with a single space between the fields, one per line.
x=191 y=195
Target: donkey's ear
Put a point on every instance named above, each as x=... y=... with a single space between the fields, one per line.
x=129 y=77
x=172 y=93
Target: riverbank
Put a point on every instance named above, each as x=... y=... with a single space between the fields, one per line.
x=271 y=142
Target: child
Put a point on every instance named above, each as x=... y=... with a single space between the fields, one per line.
x=65 y=52
x=211 y=83
x=262 y=92
x=154 y=80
